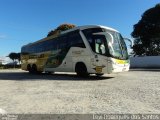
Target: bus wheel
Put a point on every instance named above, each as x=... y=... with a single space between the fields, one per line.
x=81 y=70
x=49 y=73
x=29 y=68
x=99 y=74
x=34 y=69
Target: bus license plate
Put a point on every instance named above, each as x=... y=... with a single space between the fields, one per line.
x=98 y=69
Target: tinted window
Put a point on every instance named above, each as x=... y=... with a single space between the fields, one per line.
x=89 y=35
x=62 y=42
x=100 y=45
x=72 y=39
x=89 y=32
x=75 y=40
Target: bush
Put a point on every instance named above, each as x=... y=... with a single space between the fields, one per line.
x=9 y=66
x=61 y=28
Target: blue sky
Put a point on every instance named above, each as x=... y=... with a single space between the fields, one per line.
x=25 y=21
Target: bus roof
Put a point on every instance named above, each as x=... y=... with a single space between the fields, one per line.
x=73 y=29
x=89 y=26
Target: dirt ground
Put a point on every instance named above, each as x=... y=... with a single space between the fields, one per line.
x=136 y=91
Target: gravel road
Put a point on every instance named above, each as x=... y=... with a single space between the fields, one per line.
x=136 y=91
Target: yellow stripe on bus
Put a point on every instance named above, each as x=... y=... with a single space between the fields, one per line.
x=121 y=61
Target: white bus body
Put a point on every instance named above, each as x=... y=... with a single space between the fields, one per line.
x=101 y=50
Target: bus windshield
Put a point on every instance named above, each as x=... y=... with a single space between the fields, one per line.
x=117 y=46
x=105 y=42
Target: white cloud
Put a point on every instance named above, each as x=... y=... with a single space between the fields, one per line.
x=5 y=60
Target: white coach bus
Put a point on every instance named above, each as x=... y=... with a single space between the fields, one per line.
x=91 y=49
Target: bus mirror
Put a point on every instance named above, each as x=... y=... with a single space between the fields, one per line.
x=131 y=41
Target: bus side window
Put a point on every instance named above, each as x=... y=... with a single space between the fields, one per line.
x=75 y=40
x=100 y=44
x=63 y=42
x=54 y=44
x=88 y=33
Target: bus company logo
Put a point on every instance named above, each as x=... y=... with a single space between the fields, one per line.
x=77 y=52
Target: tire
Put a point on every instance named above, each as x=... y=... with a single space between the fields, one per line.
x=81 y=70
x=34 y=69
x=99 y=75
x=49 y=73
x=29 y=68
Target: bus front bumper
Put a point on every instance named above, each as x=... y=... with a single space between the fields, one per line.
x=120 y=68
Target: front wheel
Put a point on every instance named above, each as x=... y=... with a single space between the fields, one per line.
x=81 y=70
x=49 y=73
x=99 y=74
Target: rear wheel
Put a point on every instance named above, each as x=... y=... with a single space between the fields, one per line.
x=81 y=70
x=29 y=68
x=34 y=69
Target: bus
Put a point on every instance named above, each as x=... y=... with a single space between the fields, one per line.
x=89 y=49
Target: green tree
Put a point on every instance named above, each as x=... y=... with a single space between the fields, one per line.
x=60 y=28
x=18 y=57
x=147 y=33
x=13 y=56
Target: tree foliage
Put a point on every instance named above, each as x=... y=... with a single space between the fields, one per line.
x=18 y=57
x=147 y=33
x=14 y=56
x=60 y=28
